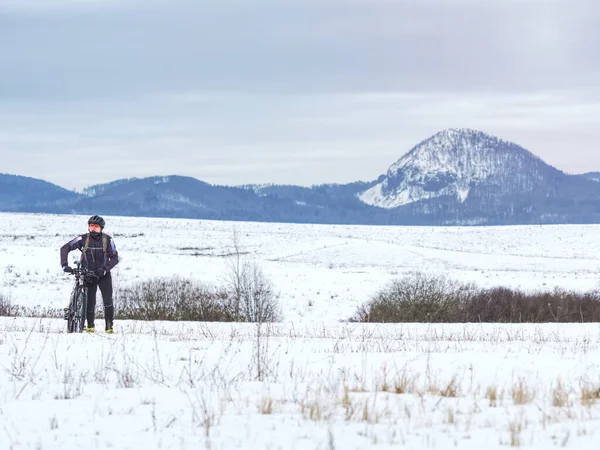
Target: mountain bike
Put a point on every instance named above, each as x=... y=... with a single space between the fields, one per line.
x=76 y=313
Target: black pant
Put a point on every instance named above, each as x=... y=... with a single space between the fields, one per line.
x=105 y=284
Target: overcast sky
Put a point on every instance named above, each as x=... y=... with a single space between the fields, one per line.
x=288 y=91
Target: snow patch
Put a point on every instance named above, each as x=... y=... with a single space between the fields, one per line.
x=463 y=193
x=162 y=180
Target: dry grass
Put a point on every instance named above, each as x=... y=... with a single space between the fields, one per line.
x=384 y=387
x=560 y=396
x=266 y=406
x=311 y=407
x=515 y=428
x=521 y=393
x=404 y=383
x=346 y=402
x=451 y=389
x=590 y=394
x=450 y=415
x=491 y=394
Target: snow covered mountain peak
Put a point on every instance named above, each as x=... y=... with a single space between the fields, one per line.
x=452 y=163
x=447 y=149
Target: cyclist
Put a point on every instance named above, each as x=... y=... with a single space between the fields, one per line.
x=98 y=255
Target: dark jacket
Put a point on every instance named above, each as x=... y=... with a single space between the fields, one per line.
x=94 y=257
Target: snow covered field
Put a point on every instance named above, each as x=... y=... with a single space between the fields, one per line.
x=321 y=272
x=310 y=382
x=190 y=386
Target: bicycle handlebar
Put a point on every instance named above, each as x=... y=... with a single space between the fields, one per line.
x=79 y=270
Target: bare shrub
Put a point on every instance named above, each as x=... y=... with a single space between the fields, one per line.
x=252 y=294
x=424 y=298
x=173 y=299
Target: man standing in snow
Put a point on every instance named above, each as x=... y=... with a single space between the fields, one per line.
x=99 y=255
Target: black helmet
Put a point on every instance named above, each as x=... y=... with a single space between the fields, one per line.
x=97 y=220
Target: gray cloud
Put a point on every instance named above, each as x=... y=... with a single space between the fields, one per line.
x=298 y=46
x=299 y=91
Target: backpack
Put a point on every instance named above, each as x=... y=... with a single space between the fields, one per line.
x=87 y=243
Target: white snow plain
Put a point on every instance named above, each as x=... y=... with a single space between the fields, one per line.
x=311 y=381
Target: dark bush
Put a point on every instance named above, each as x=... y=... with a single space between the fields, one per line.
x=422 y=298
x=173 y=299
x=7 y=309
x=180 y=299
x=509 y=305
x=415 y=298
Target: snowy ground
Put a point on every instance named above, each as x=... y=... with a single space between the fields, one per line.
x=190 y=386
x=310 y=382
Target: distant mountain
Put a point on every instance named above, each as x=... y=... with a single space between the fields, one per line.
x=456 y=177
x=455 y=162
x=466 y=176
x=177 y=196
x=171 y=196
x=27 y=194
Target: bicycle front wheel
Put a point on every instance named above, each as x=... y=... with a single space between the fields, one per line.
x=71 y=318
x=81 y=310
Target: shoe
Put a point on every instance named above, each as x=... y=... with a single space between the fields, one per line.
x=90 y=330
x=110 y=331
